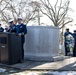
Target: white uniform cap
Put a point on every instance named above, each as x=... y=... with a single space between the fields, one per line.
x=11 y=20
x=19 y=18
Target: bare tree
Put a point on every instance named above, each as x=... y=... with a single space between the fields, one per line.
x=58 y=13
x=36 y=6
x=21 y=8
x=3 y=6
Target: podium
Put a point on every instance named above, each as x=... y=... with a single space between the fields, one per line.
x=10 y=48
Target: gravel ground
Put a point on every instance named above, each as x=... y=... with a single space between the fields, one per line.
x=45 y=73
x=8 y=71
x=12 y=71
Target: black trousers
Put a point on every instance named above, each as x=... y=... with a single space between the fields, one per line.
x=22 y=41
x=67 y=49
x=74 y=50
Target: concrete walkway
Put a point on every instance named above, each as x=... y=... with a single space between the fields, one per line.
x=67 y=64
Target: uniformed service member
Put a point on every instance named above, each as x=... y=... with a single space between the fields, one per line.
x=1 y=28
x=6 y=28
x=67 y=49
x=74 y=50
x=12 y=27
x=21 y=31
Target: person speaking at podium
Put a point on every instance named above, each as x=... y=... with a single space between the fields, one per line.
x=21 y=31
x=12 y=28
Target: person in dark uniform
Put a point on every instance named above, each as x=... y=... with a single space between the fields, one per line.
x=67 y=49
x=74 y=50
x=6 y=28
x=1 y=28
x=21 y=31
x=12 y=27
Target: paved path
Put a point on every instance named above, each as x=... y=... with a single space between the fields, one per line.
x=68 y=64
x=65 y=64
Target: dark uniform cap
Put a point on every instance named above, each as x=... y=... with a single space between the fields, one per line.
x=74 y=30
x=67 y=28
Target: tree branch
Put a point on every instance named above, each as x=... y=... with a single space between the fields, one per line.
x=65 y=24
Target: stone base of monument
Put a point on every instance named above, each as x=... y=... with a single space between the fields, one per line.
x=58 y=58
x=42 y=43
x=44 y=58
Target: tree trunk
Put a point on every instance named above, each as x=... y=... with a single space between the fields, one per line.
x=38 y=18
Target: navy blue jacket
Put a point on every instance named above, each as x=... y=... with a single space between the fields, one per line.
x=21 y=29
x=1 y=29
x=12 y=29
x=74 y=35
x=66 y=34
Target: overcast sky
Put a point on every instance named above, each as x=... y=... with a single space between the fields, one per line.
x=72 y=13
x=72 y=5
